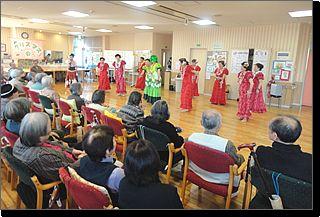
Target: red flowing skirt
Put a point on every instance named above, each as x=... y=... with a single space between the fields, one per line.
x=186 y=96
x=195 y=87
x=121 y=84
x=244 y=105
x=257 y=102
x=104 y=83
x=218 y=95
x=141 y=82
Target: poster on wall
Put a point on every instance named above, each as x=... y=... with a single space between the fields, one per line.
x=127 y=56
x=261 y=56
x=237 y=57
x=213 y=57
x=26 y=49
x=282 y=69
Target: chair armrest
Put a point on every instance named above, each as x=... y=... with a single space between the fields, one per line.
x=45 y=186
x=134 y=134
x=241 y=168
x=173 y=149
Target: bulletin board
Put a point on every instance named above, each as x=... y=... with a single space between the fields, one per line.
x=127 y=56
x=282 y=69
x=237 y=57
x=213 y=58
x=26 y=49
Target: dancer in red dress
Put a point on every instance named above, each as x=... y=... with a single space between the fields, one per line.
x=195 y=78
x=71 y=75
x=218 y=95
x=103 y=69
x=141 y=80
x=245 y=80
x=119 y=70
x=257 y=102
x=187 y=86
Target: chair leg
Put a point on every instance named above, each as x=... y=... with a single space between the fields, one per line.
x=39 y=199
x=13 y=180
x=169 y=166
x=9 y=172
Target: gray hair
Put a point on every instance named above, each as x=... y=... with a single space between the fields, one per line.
x=160 y=111
x=47 y=81
x=39 y=77
x=16 y=109
x=31 y=76
x=33 y=126
x=14 y=73
x=76 y=89
x=211 y=120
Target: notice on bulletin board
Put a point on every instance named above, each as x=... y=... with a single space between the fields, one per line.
x=261 y=56
x=237 y=57
x=127 y=56
x=213 y=57
x=26 y=49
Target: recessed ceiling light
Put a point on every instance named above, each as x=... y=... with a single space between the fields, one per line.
x=143 y=27
x=204 y=22
x=37 y=20
x=75 y=14
x=75 y=33
x=307 y=13
x=79 y=27
x=59 y=33
x=139 y=3
x=104 y=30
x=40 y=30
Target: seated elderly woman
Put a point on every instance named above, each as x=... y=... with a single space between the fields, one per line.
x=42 y=156
x=8 y=92
x=141 y=187
x=37 y=86
x=16 y=75
x=14 y=112
x=98 y=100
x=31 y=79
x=76 y=91
x=48 y=91
x=132 y=114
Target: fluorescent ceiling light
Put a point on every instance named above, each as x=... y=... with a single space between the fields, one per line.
x=203 y=22
x=79 y=27
x=75 y=33
x=36 y=20
x=103 y=30
x=75 y=14
x=307 y=13
x=139 y=3
x=143 y=27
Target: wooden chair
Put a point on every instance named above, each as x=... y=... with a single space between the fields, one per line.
x=84 y=195
x=169 y=156
x=121 y=134
x=50 y=107
x=65 y=109
x=88 y=114
x=36 y=104
x=27 y=179
x=212 y=161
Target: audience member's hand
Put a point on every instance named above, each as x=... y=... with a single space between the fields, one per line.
x=77 y=153
x=81 y=155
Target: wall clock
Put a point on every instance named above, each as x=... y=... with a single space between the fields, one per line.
x=25 y=35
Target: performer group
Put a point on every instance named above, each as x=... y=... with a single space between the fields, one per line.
x=149 y=81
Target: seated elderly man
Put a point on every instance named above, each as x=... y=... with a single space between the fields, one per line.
x=283 y=156
x=211 y=122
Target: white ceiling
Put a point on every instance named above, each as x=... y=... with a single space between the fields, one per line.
x=121 y=18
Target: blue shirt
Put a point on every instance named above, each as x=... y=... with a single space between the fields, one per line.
x=13 y=126
x=36 y=86
x=116 y=175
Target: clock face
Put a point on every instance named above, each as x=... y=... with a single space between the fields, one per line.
x=24 y=35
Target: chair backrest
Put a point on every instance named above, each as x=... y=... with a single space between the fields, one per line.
x=89 y=113
x=208 y=159
x=46 y=102
x=26 y=91
x=294 y=193
x=34 y=96
x=11 y=137
x=115 y=124
x=19 y=167
x=157 y=138
x=276 y=90
x=85 y=196
x=64 y=107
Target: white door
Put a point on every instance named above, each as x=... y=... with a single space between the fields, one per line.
x=201 y=55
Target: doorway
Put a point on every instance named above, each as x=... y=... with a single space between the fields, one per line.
x=201 y=55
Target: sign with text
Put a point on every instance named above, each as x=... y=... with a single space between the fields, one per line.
x=26 y=49
x=237 y=57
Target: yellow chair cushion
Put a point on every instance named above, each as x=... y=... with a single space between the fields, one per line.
x=73 y=105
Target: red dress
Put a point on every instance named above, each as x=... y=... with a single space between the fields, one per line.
x=104 y=83
x=218 y=95
x=119 y=77
x=141 y=80
x=195 y=81
x=244 y=100
x=187 y=88
x=257 y=102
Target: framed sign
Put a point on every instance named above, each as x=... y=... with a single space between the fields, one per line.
x=285 y=75
x=3 y=47
x=26 y=49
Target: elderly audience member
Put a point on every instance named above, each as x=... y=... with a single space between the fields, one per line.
x=141 y=187
x=98 y=102
x=37 y=86
x=284 y=156
x=31 y=79
x=35 y=67
x=16 y=75
x=211 y=122
x=76 y=91
x=8 y=92
x=12 y=67
x=14 y=112
x=48 y=91
x=132 y=114
x=99 y=166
